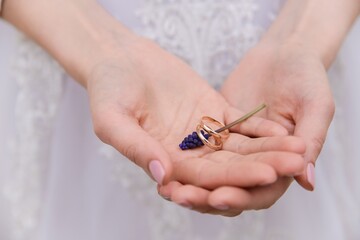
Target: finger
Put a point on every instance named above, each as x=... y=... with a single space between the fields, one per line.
x=240 y=144
x=166 y=190
x=192 y=197
x=254 y=126
x=248 y=199
x=196 y=199
x=283 y=163
x=131 y=140
x=209 y=174
x=312 y=125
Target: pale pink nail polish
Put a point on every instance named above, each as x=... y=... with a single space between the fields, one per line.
x=186 y=205
x=166 y=198
x=311 y=174
x=157 y=171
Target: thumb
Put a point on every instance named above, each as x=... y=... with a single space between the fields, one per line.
x=312 y=125
x=130 y=139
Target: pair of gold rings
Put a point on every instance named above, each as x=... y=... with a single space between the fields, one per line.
x=214 y=139
x=205 y=127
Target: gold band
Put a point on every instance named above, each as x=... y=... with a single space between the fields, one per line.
x=217 y=137
x=213 y=138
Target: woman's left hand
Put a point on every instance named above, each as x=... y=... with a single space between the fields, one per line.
x=294 y=84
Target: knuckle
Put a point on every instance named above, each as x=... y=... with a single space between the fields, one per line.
x=332 y=107
x=130 y=152
x=331 y=104
x=231 y=214
x=266 y=205
x=318 y=142
x=201 y=180
x=240 y=146
x=328 y=106
x=206 y=210
x=294 y=167
x=268 y=178
x=100 y=129
x=294 y=144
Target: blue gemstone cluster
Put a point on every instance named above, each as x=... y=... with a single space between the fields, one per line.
x=193 y=141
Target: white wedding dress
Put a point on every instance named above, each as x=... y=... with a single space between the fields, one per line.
x=58 y=181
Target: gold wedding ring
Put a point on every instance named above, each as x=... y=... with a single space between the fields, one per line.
x=209 y=136
x=214 y=139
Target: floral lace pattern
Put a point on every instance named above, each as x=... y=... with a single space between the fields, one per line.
x=39 y=81
x=211 y=36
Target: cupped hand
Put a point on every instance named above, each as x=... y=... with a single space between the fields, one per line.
x=144 y=101
x=227 y=200
x=232 y=200
x=293 y=81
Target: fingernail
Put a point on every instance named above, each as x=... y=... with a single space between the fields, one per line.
x=311 y=174
x=186 y=205
x=222 y=207
x=166 y=198
x=157 y=171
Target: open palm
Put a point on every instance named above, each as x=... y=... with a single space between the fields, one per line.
x=294 y=83
x=144 y=101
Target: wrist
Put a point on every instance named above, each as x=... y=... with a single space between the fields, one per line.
x=297 y=44
x=94 y=37
x=77 y=34
x=318 y=27
x=292 y=47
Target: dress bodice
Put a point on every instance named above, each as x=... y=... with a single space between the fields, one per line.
x=53 y=183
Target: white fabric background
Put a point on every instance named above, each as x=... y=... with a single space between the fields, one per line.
x=88 y=191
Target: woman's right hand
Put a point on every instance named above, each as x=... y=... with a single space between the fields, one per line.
x=144 y=101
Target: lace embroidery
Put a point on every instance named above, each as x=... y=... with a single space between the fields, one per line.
x=211 y=36
x=39 y=80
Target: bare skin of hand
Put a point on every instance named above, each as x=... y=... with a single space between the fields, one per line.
x=145 y=101
x=295 y=85
x=287 y=70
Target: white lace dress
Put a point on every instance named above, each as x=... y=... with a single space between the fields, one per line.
x=59 y=182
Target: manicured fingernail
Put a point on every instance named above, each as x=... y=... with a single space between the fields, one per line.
x=186 y=205
x=157 y=171
x=222 y=207
x=311 y=174
x=166 y=198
